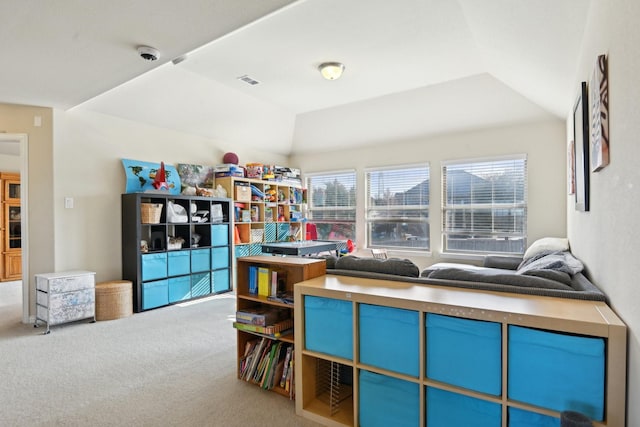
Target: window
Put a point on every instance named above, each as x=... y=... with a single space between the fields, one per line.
x=398 y=207
x=484 y=208
x=332 y=204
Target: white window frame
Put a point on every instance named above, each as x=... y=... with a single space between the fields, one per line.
x=346 y=210
x=370 y=211
x=516 y=237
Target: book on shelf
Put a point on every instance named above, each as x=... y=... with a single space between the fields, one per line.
x=261 y=316
x=264 y=362
x=253 y=279
x=263 y=281
x=251 y=358
x=285 y=370
x=275 y=331
x=283 y=297
x=278 y=281
x=269 y=365
x=289 y=384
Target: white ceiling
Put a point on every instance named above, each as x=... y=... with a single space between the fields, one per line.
x=413 y=67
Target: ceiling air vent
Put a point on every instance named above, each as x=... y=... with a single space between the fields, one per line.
x=248 y=80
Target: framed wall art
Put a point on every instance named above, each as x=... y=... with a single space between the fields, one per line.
x=599 y=103
x=571 y=168
x=581 y=148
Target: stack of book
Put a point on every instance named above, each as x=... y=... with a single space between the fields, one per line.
x=269 y=321
x=269 y=364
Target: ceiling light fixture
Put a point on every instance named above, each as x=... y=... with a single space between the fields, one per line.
x=331 y=70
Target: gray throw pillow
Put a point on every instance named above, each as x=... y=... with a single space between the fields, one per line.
x=395 y=266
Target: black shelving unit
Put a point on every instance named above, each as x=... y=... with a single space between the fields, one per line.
x=171 y=260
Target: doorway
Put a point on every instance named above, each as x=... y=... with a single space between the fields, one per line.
x=17 y=145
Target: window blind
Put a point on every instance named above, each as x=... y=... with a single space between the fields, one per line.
x=485 y=205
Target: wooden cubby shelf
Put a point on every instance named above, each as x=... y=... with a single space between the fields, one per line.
x=263 y=212
x=499 y=359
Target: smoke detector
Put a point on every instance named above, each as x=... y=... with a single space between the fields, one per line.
x=148 y=53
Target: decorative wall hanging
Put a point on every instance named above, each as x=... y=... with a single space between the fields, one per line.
x=581 y=141
x=599 y=97
x=571 y=168
x=195 y=177
x=140 y=177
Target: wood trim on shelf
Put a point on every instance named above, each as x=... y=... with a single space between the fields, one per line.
x=565 y=316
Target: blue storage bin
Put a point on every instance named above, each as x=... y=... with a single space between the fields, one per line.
x=219 y=235
x=386 y=401
x=220 y=281
x=242 y=250
x=154 y=266
x=329 y=326
x=220 y=257
x=465 y=353
x=179 y=288
x=200 y=259
x=448 y=409
x=522 y=418
x=255 y=249
x=389 y=338
x=284 y=230
x=155 y=294
x=200 y=284
x=557 y=371
x=179 y=263
x=270 y=232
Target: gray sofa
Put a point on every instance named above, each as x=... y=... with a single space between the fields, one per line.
x=550 y=273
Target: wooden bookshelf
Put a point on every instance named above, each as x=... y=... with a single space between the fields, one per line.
x=296 y=269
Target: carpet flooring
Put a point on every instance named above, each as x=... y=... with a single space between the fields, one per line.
x=173 y=366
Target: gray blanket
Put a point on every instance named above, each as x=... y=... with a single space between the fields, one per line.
x=546 y=270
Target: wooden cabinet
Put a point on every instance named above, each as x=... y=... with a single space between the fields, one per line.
x=11 y=263
x=453 y=356
x=293 y=270
x=264 y=211
x=175 y=248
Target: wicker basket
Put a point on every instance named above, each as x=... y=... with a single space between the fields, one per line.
x=114 y=300
x=150 y=213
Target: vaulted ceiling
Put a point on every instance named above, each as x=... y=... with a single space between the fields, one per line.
x=413 y=67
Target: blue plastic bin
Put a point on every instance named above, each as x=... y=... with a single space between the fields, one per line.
x=200 y=259
x=329 y=326
x=465 y=353
x=179 y=263
x=200 y=284
x=557 y=371
x=219 y=257
x=179 y=288
x=522 y=418
x=219 y=235
x=448 y=409
x=389 y=338
x=154 y=266
x=387 y=401
x=220 y=280
x=155 y=294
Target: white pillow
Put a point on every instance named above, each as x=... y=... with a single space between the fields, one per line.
x=547 y=244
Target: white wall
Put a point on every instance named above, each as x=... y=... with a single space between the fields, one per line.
x=607 y=238
x=543 y=142
x=22 y=119
x=9 y=163
x=88 y=152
